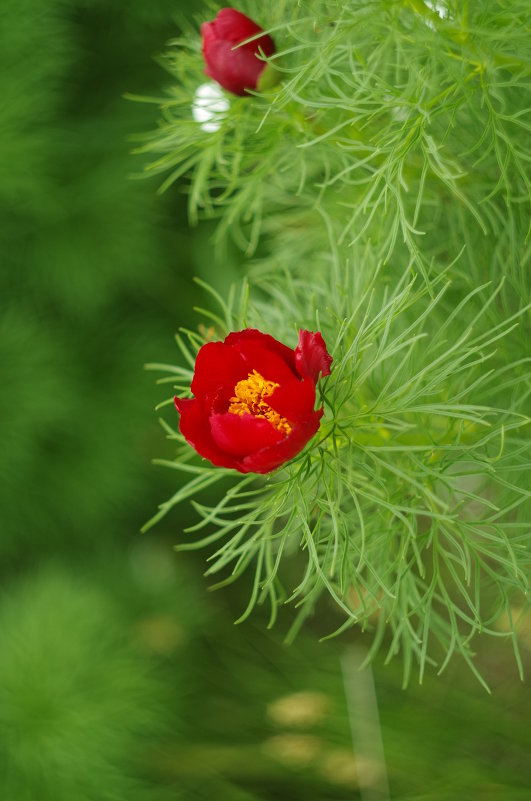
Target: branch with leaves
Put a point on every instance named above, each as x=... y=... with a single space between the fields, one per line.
x=385 y=177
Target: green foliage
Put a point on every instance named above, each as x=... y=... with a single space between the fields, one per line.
x=78 y=705
x=120 y=677
x=386 y=180
x=409 y=504
x=410 y=134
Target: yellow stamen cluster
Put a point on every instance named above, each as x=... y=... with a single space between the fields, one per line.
x=249 y=397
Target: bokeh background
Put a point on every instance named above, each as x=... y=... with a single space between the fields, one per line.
x=121 y=676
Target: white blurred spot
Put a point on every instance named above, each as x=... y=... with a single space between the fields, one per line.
x=209 y=106
x=439 y=8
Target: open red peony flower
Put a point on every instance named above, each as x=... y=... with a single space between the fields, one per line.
x=254 y=399
x=235 y=69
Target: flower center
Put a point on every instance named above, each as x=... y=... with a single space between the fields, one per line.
x=249 y=397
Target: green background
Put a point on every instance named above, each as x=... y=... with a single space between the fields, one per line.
x=121 y=676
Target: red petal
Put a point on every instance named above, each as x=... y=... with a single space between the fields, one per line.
x=195 y=428
x=269 y=459
x=233 y=26
x=311 y=356
x=294 y=399
x=242 y=435
x=268 y=342
x=234 y=70
x=218 y=368
x=267 y=363
x=239 y=69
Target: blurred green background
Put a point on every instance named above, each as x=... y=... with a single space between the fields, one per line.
x=121 y=677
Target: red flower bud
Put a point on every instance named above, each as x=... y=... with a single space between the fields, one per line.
x=235 y=69
x=254 y=400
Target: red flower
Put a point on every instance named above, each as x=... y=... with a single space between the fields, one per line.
x=239 y=69
x=254 y=399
